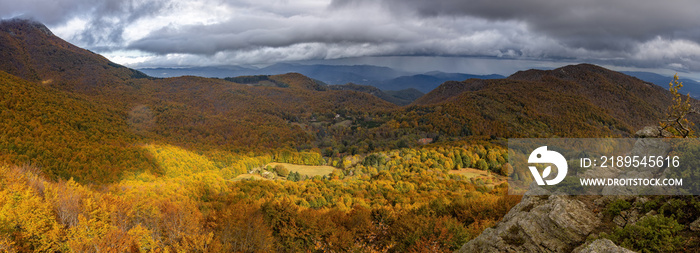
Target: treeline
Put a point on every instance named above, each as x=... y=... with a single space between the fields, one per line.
x=444 y=158
x=261 y=80
x=302 y=158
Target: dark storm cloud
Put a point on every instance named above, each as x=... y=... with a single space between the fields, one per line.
x=250 y=33
x=592 y=24
x=622 y=32
x=634 y=33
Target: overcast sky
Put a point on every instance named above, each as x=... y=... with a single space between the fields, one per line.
x=429 y=34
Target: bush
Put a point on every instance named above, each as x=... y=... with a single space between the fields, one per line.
x=281 y=171
x=650 y=234
x=617 y=206
x=482 y=165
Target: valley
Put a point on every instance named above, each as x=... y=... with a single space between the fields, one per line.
x=95 y=156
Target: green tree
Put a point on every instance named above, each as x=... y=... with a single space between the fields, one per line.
x=482 y=165
x=458 y=160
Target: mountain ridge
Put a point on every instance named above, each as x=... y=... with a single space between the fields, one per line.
x=32 y=52
x=689 y=86
x=195 y=112
x=621 y=103
x=618 y=93
x=384 y=78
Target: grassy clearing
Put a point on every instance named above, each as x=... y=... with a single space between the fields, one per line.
x=344 y=123
x=249 y=176
x=469 y=172
x=307 y=170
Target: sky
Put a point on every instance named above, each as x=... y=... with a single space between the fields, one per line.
x=477 y=36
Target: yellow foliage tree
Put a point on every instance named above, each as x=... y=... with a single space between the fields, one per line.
x=676 y=121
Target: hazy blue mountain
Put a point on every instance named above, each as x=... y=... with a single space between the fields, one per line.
x=332 y=74
x=218 y=72
x=428 y=81
x=689 y=86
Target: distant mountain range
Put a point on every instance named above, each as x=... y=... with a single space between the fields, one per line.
x=384 y=78
x=331 y=74
x=689 y=86
x=581 y=100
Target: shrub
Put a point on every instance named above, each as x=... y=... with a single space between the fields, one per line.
x=617 y=206
x=650 y=234
x=281 y=171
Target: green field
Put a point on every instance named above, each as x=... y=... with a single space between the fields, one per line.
x=307 y=170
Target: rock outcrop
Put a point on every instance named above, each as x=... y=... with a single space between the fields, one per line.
x=695 y=225
x=538 y=224
x=548 y=222
x=651 y=132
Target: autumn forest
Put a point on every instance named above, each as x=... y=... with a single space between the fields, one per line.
x=97 y=157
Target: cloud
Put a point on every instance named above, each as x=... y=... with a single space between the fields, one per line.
x=675 y=54
x=104 y=21
x=48 y=12
x=591 y=24
x=253 y=32
x=207 y=32
x=629 y=32
x=347 y=32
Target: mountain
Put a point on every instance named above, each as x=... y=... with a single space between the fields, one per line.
x=689 y=85
x=426 y=82
x=218 y=72
x=200 y=113
x=580 y=100
x=332 y=74
x=335 y=74
x=300 y=112
x=29 y=50
x=323 y=73
x=384 y=78
x=295 y=111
